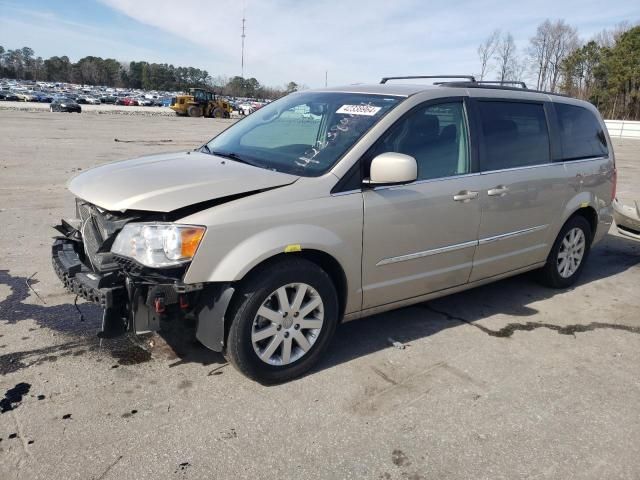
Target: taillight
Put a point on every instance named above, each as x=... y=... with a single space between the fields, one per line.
x=615 y=183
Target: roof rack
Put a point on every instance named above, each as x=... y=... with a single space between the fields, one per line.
x=470 y=78
x=471 y=82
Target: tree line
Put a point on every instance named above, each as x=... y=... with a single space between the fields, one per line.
x=604 y=70
x=22 y=64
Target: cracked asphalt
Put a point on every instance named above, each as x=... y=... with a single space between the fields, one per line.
x=506 y=381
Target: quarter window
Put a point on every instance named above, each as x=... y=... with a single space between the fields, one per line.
x=581 y=135
x=435 y=135
x=515 y=134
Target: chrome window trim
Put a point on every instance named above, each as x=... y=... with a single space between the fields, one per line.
x=517 y=233
x=427 y=253
x=549 y=164
x=582 y=160
x=460 y=246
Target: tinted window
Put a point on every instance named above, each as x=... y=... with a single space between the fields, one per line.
x=514 y=135
x=581 y=135
x=435 y=135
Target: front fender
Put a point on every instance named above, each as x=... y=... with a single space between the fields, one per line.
x=252 y=251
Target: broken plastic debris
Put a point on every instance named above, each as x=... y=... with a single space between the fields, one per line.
x=396 y=344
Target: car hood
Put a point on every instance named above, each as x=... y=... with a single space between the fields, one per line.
x=167 y=182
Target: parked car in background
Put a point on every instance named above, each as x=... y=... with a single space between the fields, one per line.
x=108 y=99
x=44 y=97
x=64 y=104
x=9 y=96
x=87 y=100
x=130 y=102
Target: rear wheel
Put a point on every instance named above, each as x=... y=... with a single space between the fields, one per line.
x=217 y=113
x=282 y=321
x=568 y=255
x=194 y=111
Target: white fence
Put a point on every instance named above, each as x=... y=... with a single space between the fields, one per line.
x=623 y=128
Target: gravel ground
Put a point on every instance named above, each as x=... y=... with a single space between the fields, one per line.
x=505 y=381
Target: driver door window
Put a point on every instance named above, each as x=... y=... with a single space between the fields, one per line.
x=436 y=136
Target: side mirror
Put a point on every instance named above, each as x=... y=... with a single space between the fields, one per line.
x=392 y=168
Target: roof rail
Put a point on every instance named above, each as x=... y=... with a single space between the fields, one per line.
x=497 y=86
x=502 y=82
x=471 y=78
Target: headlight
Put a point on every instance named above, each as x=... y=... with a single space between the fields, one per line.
x=158 y=244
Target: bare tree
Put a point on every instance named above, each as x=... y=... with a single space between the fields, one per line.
x=486 y=51
x=609 y=37
x=506 y=58
x=549 y=47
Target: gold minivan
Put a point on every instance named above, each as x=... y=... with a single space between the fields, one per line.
x=334 y=204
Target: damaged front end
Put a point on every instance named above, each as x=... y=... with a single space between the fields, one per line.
x=134 y=297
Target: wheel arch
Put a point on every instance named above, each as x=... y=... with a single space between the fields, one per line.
x=322 y=259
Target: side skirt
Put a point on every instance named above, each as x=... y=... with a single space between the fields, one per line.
x=440 y=293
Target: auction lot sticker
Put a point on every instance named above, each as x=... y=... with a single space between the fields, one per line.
x=367 y=110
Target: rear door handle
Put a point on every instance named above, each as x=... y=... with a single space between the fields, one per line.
x=499 y=191
x=465 y=196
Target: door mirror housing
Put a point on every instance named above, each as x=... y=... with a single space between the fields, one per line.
x=392 y=168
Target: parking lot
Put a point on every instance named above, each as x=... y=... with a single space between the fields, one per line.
x=510 y=380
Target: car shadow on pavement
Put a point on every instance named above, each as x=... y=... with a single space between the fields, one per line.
x=512 y=296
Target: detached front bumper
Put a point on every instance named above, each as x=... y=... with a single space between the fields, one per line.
x=104 y=290
x=627 y=219
x=135 y=298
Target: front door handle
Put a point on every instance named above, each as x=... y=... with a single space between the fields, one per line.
x=499 y=191
x=465 y=196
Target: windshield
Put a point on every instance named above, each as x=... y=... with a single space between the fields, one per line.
x=304 y=133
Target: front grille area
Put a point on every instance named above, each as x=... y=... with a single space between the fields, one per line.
x=98 y=228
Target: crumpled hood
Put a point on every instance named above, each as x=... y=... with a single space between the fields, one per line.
x=166 y=182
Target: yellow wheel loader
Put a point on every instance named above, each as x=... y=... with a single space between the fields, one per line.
x=200 y=103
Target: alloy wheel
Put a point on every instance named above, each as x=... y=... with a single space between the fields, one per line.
x=571 y=252
x=287 y=324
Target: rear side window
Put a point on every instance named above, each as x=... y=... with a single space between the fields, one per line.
x=581 y=135
x=515 y=134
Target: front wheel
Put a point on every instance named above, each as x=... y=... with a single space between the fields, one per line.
x=568 y=254
x=282 y=321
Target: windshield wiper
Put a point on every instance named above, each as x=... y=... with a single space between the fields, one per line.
x=231 y=155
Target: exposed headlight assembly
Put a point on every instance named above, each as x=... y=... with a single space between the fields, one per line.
x=158 y=245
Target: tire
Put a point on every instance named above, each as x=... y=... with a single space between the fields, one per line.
x=194 y=111
x=259 y=293
x=559 y=274
x=217 y=113
x=50 y=108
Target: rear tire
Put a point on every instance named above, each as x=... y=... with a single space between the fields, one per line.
x=568 y=254
x=217 y=113
x=295 y=335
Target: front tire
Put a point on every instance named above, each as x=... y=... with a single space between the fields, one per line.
x=568 y=254
x=194 y=111
x=282 y=320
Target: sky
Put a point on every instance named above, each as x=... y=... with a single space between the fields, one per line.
x=354 y=41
